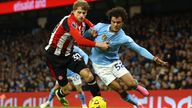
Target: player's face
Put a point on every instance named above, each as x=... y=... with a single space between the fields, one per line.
x=79 y=14
x=116 y=24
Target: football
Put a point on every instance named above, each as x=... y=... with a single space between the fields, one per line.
x=97 y=102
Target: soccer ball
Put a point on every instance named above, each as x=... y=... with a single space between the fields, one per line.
x=97 y=102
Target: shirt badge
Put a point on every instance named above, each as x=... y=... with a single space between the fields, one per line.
x=104 y=37
x=74 y=25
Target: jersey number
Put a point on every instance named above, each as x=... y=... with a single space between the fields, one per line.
x=119 y=65
x=76 y=56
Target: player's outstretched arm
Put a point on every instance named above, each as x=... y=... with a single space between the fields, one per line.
x=145 y=53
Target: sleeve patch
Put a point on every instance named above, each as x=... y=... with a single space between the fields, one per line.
x=74 y=25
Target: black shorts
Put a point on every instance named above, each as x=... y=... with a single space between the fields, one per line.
x=58 y=66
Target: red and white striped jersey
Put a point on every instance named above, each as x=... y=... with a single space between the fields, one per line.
x=65 y=34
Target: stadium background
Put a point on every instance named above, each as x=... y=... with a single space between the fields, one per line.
x=162 y=26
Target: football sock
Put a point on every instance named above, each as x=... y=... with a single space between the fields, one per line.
x=127 y=97
x=51 y=95
x=94 y=88
x=82 y=98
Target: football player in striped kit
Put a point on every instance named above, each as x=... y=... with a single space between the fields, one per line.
x=60 y=55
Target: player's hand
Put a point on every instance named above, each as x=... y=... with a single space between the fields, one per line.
x=159 y=61
x=94 y=33
x=102 y=45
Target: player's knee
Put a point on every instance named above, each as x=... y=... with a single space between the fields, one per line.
x=117 y=88
x=87 y=75
x=90 y=78
x=133 y=83
x=66 y=89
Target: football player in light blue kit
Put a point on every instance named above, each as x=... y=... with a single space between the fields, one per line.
x=76 y=80
x=107 y=64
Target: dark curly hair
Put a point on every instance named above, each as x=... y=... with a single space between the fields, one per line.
x=117 y=12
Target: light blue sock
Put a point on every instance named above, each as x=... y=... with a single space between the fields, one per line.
x=132 y=100
x=82 y=98
x=51 y=95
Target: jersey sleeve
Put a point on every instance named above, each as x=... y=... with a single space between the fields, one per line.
x=77 y=36
x=140 y=50
x=98 y=26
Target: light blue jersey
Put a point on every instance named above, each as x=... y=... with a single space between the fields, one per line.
x=83 y=55
x=116 y=40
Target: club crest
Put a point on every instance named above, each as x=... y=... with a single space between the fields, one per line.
x=104 y=37
x=74 y=25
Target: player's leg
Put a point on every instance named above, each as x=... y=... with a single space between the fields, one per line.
x=59 y=71
x=62 y=93
x=52 y=93
x=122 y=73
x=81 y=95
x=51 y=96
x=108 y=78
x=124 y=95
x=77 y=65
x=91 y=80
x=77 y=82
x=131 y=82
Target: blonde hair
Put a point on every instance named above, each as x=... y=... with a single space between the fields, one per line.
x=81 y=3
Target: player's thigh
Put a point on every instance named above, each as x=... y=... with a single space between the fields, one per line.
x=128 y=80
x=58 y=69
x=115 y=86
x=67 y=88
x=86 y=74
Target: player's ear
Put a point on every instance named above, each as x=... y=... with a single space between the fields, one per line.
x=72 y=11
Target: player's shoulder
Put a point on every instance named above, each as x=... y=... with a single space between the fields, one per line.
x=125 y=36
x=102 y=24
x=122 y=33
x=65 y=18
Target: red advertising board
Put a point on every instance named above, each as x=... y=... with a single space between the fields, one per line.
x=157 y=99
x=26 y=5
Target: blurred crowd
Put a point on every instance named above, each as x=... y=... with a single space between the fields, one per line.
x=23 y=66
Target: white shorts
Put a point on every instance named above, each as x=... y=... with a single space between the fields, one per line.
x=75 y=78
x=109 y=73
